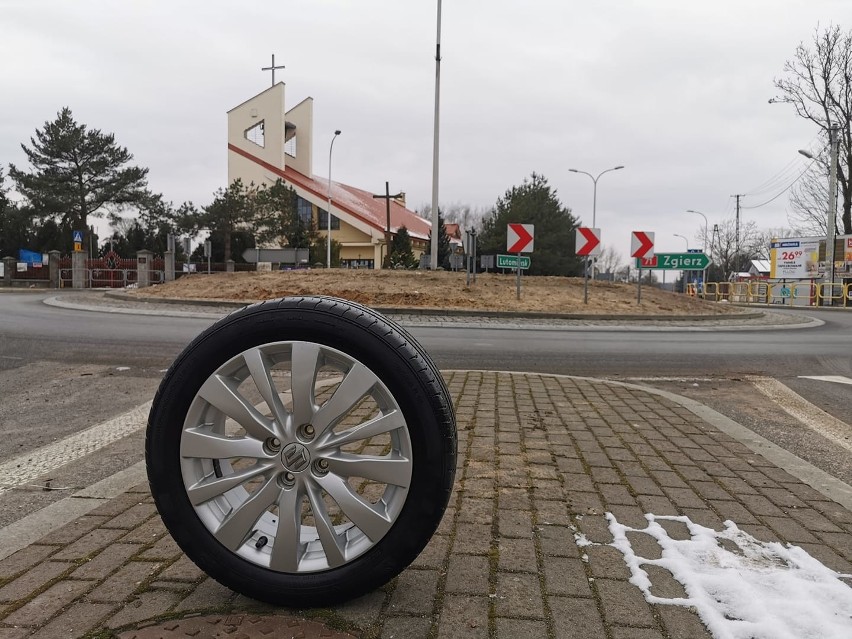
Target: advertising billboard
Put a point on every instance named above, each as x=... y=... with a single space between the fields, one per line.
x=795 y=258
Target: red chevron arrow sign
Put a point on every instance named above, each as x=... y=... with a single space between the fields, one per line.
x=642 y=244
x=519 y=238
x=588 y=242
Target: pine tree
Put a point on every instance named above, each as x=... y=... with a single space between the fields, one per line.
x=402 y=253
x=77 y=172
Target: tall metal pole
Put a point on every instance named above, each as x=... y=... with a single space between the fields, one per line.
x=435 y=229
x=834 y=141
x=706 y=239
x=328 y=220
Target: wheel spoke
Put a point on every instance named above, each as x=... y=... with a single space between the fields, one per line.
x=331 y=543
x=221 y=392
x=259 y=365
x=241 y=521
x=362 y=514
x=286 y=550
x=303 y=373
x=378 y=426
x=207 y=489
x=357 y=383
x=206 y=445
x=387 y=470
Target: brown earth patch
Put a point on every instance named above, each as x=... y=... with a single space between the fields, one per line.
x=442 y=290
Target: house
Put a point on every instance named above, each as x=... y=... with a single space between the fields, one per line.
x=267 y=143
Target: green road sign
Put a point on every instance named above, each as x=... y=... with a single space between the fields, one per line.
x=511 y=261
x=675 y=262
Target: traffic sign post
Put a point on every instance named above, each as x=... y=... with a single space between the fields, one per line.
x=641 y=245
x=675 y=262
x=519 y=239
x=588 y=244
x=511 y=261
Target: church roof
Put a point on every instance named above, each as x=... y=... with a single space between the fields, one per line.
x=354 y=201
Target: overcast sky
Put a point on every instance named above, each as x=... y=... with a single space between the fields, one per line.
x=676 y=91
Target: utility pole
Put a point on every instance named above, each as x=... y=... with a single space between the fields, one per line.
x=387 y=197
x=834 y=141
x=433 y=257
x=737 y=235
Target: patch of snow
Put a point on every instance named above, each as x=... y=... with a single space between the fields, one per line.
x=580 y=540
x=741 y=587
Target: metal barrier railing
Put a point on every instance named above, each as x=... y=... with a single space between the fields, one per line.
x=806 y=293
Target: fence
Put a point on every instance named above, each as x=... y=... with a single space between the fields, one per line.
x=807 y=293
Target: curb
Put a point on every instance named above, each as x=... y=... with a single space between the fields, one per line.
x=432 y=312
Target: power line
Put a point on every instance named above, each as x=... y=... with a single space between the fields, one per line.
x=787 y=188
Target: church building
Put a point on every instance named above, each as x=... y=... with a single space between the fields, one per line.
x=267 y=143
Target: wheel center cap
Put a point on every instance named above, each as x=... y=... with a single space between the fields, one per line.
x=295 y=457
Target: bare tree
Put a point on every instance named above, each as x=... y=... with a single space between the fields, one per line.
x=723 y=247
x=609 y=261
x=809 y=199
x=818 y=83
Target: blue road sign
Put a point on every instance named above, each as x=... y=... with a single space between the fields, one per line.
x=78 y=236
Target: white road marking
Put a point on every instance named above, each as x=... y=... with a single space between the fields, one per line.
x=24 y=468
x=810 y=415
x=838 y=379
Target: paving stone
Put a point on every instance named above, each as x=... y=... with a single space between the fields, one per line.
x=607 y=562
x=91 y=543
x=789 y=530
x=584 y=503
x=517 y=555
x=657 y=505
x=149 y=532
x=14 y=633
x=616 y=494
x=74 y=530
x=515 y=523
x=513 y=499
x=813 y=520
x=644 y=546
x=605 y=475
x=644 y=485
x=415 y=592
x=684 y=497
x=434 y=555
x=515 y=628
x=468 y=574
x=595 y=528
x=24 y=559
x=518 y=595
x=682 y=623
x=33 y=580
x=575 y=618
x=564 y=576
x=124 y=582
x=675 y=529
x=557 y=541
x=552 y=512
x=464 y=617
x=635 y=633
x=182 y=570
x=76 y=622
x=407 y=628
x=131 y=517
x=118 y=505
x=734 y=511
x=39 y=610
x=145 y=606
x=476 y=511
x=474 y=539
x=107 y=561
x=363 y=611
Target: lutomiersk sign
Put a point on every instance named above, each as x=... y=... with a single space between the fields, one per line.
x=511 y=261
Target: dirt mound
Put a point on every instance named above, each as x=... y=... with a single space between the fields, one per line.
x=444 y=290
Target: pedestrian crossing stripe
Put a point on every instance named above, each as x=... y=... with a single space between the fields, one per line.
x=837 y=379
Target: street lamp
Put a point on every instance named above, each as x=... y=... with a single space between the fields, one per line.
x=685 y=273
x=328 y=226
x=706 y=239
x=594 y=199
x=831 y=230
x=595 y=180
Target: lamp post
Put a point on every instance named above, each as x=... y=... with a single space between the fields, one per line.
x=706 y=239
x=685 y=273
x=595 y=197
x=831 y=230
x=328 y=213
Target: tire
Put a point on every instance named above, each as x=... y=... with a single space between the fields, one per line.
x=302 y=451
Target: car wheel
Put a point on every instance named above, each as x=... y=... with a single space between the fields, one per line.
x=302 y=451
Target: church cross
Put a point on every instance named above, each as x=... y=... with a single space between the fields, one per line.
x=272 y=68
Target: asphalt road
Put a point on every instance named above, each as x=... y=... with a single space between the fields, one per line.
x=62 y=371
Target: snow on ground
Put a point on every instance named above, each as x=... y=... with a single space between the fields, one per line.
x=742 y=588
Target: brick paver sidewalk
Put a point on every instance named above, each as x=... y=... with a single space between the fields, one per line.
x=542 y=459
